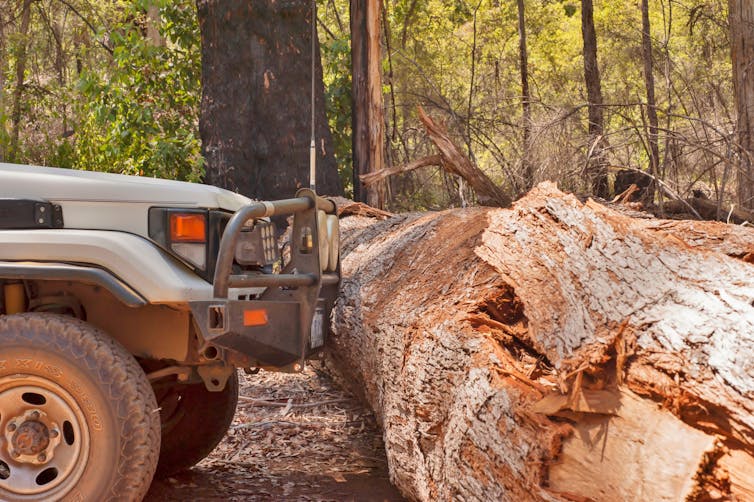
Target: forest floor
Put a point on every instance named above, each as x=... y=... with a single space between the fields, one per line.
x=294 y=437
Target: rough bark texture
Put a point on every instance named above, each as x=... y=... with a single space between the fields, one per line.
x=255 y=112
x=3 y=69
x=366 y=88
x=653 y=149
x=18 y=91
x=553 y=351
x=741 y=14
x=526 y=165
x=596 y=164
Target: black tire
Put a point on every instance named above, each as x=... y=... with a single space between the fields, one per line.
x=83 y=398
x=194 y=421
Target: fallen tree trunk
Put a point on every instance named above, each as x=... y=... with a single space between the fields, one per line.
x=709 y=210
x=553 y=351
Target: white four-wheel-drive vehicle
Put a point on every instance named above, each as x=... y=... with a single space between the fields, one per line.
x=126 y=305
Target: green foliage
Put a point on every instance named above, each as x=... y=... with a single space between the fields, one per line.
x=336 y=58
x=139 y=116
x=98 y=93
x=459 y=59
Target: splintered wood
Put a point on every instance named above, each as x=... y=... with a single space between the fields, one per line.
x=553 y=351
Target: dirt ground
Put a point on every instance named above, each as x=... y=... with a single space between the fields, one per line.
x=294 y=437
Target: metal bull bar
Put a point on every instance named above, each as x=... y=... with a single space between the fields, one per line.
x=275 y=328
x=224 y=280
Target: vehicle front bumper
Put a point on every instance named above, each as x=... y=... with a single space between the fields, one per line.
x=288 y=322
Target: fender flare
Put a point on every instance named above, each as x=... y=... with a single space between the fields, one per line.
x=78 y=273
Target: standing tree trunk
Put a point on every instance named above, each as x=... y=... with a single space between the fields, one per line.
x=255 y=110
x=649 y=82
x=367 y=110
x=555 y=351
x=18 y=91
x=153 y=25
x=596 y=166
x=3 y=63
x=526 y=165
x=741 y=16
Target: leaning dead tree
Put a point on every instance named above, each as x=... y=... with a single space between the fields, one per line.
x=553 y=351
x=453 y=160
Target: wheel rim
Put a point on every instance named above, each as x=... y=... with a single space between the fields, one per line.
x=44 y=441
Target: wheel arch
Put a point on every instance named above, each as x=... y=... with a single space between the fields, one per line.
x=78 y=273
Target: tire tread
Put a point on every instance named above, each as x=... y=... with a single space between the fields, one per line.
x=117 y=372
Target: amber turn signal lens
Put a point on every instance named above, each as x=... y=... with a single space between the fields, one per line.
x=188 y=227
x=255 y=317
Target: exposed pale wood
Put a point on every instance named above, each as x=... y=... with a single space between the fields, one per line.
x=740 y=468
x=454 y=161
x=644 y=443
x=492 y=344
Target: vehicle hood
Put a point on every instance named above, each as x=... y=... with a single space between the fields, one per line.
x=68 y=185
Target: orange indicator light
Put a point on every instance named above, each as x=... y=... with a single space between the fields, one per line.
x=255 y=317
x=188 y=228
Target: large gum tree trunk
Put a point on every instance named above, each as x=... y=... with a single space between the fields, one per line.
x=741 y=17
x=553 y=351
x=256 y=98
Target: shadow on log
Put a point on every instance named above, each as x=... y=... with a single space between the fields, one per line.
x=553 y=351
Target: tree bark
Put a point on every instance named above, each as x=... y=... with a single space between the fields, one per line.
x=255 y=111
x=153 y=25
x=3 y=66
x=741 y=17
x=18 y=91
x=553 y=351
x=649 y=82
x=366 y=94
x=596 y=165
x=527 y=168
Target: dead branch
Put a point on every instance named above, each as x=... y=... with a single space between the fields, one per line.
x=374 y=177
x=456 y=162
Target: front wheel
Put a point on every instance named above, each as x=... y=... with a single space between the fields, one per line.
x=78 y=418
x=194 y=421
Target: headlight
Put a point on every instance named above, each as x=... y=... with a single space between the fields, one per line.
x=192 y=235
x=188 y=237
x=256 y=245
